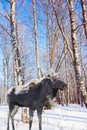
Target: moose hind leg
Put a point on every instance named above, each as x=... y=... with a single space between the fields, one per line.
x=13 y=112
x=39 y=113
x=12 y=119
x=8 y=121
x=31 y=113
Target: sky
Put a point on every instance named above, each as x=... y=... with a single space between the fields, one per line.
x=24 y=17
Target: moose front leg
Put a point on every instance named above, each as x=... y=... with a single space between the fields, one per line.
x=31 y=113
x=8 y=121
x=39 y=113
x=12 y=119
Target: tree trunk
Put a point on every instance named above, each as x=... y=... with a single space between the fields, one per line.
x=13 y=38
x=48 y=43
x=67 y=74
x=84 y=16
x=5 y=71
x=53 y=46
x=16 y=54
x=76 y=61
x=5 y=86
x=36 y=39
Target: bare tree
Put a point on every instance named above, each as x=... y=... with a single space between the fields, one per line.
x=36 y=39
x=16 y=53
x=76 y=61
x=62 y=32
x=84 y=16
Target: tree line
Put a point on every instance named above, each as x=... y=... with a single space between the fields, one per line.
x=38 y=37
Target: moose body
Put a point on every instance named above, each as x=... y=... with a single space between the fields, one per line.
x=34 y=95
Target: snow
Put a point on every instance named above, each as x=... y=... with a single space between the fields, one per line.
x=72 y=117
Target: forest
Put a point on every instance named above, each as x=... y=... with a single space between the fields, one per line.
x=40 y=37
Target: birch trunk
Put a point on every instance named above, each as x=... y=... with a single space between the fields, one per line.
x=16 y=54
x=5 y=86
x=48 y=43
x=53 y=46
x=36 y=39
x=67 y=74
x=76 y=61
x=13 y=38
x=84 y=16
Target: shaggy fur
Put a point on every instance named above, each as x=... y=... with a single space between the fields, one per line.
x=32 y=95
x=35 y=95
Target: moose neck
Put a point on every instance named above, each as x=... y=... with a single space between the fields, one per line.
x=55 y=90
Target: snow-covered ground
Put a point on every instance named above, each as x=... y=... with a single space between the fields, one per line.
x=73 y=117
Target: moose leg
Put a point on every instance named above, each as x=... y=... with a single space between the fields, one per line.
x=14 y=111
x=11 y=107
x=39 y=113
x=8 y=121
x=31 y=113
x=12 y=119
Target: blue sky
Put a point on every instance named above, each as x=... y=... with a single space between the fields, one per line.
x=24 y=17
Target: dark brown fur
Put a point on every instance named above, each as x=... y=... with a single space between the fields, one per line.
x=33 y=96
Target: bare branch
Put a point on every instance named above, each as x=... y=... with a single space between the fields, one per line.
x=80 y=25
x=62 y=32
x=5 y=16
x=5 y=30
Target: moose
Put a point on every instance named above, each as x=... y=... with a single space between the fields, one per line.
x=34 y=95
